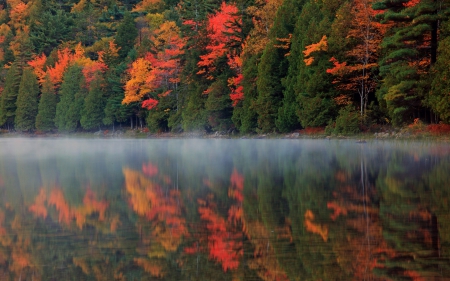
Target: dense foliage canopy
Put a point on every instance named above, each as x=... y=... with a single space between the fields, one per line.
x=210 y=65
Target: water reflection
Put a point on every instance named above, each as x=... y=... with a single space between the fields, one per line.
x=223 y=210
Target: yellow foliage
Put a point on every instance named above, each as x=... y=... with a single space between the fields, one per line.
x=79 y=7
x=140 y=81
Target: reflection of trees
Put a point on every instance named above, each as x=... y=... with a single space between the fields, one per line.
x=300 y=213
x=409 y=218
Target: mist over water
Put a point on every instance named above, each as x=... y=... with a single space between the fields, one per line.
x=212 y=209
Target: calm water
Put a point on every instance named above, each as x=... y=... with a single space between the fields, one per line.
x=223 y=210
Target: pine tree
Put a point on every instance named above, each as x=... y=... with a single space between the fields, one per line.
x=27 y=103
x=69 y=88
x=9 y=96
x=93 y=108
x=126 y=35
x=409 y=48
x=45 y=119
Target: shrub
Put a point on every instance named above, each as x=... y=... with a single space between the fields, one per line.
x=347 y=122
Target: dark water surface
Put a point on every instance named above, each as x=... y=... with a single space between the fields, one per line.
x=223 y=210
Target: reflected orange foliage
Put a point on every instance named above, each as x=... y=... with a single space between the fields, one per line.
x=38 y=208
x=315 y=228
x=67 y=213
x=150 y=267
x=80 y=262
x=150 y=169
x=57 y=199
x=224 y=246
x=2 y=219
x=237 y=186
x=163 y=209
x=20 y=260
x=264 y=260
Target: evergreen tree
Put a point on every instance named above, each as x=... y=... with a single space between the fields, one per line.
x=45 y=119
x=439 y=99
x=409 y=48
x=53 y=27
x=69 y=88
x=126 y=35
x=218 y=105
x=9 y=96
x=93 y=108
x=27 y=103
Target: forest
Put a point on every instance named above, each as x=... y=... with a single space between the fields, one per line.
x=247 y=66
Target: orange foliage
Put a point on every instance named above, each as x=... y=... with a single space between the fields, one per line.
x=94 y=206
x=264 y=260
x=38 y=208
x=90 y=69
x=313 y=130
x=438 y=129
x=224 y=245
x=65 y=58
x=411 y=3
x=67 y=214
x=2 y=219
x=285 y=44
x=150 y=169
x=338 y=210
x=57 y=199
x=149 y=267
x=20 y=260
x=237 y=90
x=237 y=186
x=38 y=64
x=219 y=34
x=147 y=199
x=315 y=228
x=81 y=263
x=322 y=45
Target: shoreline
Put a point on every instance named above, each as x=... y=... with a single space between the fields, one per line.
x=300 y=134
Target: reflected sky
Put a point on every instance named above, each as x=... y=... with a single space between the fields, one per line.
x=105 y=209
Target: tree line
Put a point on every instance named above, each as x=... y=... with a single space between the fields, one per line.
x=251 y=66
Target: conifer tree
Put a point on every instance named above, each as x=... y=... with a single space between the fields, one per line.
x=27 y=103
x=45 y=119
x=70 y=86
x=409 y=48
x=126 y=35
x=9 y=96
x=93 y=108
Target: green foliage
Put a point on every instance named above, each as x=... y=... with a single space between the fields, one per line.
x=348 y=121
x=269 y=88
x=27 y=103
x=68 y=108
x=45 y=119
x=9 y=96
x=92 y=113
x=218 y=106
x=439 y=99
x=126 y=35
x=52 y=28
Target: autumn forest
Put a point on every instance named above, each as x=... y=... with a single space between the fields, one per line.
x=249 y=66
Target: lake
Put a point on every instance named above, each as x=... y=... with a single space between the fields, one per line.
x=135 y=209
